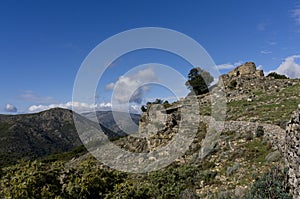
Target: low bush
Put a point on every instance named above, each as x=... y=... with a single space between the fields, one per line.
x=232 y=84
x=272 y=185
x=260 y=131
x=277 y=76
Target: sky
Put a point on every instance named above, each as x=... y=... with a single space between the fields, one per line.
x=44 y=43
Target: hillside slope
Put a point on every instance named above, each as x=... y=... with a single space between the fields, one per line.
x=31 y=136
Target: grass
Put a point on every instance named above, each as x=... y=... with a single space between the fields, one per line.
x=249 y=155
x=257 y=150
x=267 y=107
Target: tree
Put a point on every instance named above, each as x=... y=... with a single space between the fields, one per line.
x=199 y=80
x=277 y=76
x=165 y=103
x=158 y=101
x=144 y=108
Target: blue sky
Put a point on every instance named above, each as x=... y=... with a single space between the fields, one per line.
x=43 y=43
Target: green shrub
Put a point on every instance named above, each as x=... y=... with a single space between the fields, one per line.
x=271 y=185
x=89 y=180
x=31 y=180
x=231 y=170
x=40 y=180
x=232 y=84
x=277 y=76
x=260 y=131
x=129 y=189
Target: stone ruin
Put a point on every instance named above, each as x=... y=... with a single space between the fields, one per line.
x=242 y=73
x=247 y=69
x=240 y=83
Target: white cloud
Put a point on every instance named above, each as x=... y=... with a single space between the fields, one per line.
x=129 y=88
x=259 y=67
x=82 y=107
x=135 y=108
x=261 y=26
x=289 y=67
x=10 y=108
x=78 y=106
x=31 y=96
x=110 y=86
x=225 y=66
x=272 y=43
x=265 y=52
x=229 y=65
x=295 y=13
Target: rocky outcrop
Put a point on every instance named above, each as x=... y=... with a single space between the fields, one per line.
x=247 y=69
x=242 y=82
x=159 y=124
x=158 y=127
x=292 y=153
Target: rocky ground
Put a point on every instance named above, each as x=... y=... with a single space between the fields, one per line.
x=251 y=142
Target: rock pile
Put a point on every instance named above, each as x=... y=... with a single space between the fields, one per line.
x=292 y=152
x=159 y=124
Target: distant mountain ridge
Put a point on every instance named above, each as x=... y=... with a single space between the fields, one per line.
x=106 y=119
x=31 y=136
x=36 y=135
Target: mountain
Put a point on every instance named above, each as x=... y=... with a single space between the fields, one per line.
x=114 y=121
x=30 y=136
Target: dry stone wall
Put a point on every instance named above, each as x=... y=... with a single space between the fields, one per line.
x=292 y=153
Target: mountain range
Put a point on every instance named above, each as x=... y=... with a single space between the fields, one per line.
x=31 y=136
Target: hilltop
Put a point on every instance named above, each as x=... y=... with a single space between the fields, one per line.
x=253 y=97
